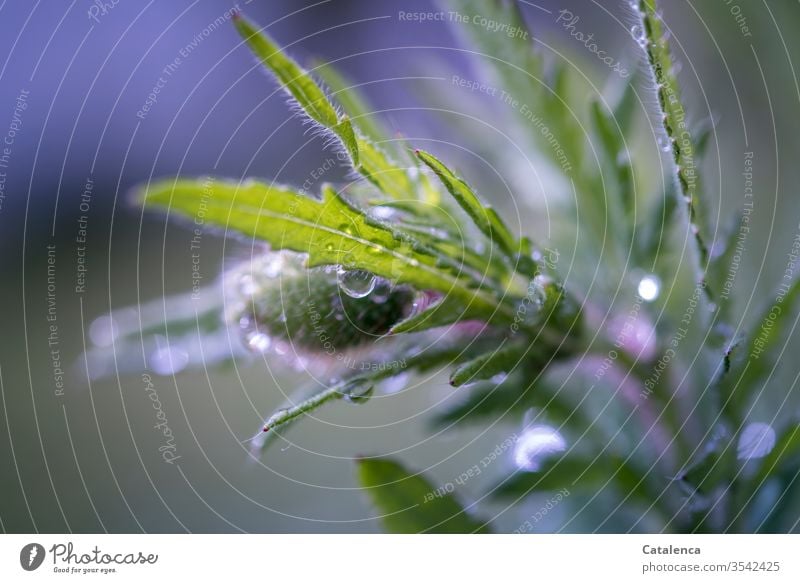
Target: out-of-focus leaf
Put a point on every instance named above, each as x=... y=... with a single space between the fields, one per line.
x=712 y=470
x=504 y=359
x=652 y=237
x=615 y=158
x=626 y=106
x=514 y=396
x=786 y=450
x=409 y=504
x=575 y=473
x=758 y=353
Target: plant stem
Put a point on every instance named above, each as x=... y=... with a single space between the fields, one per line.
x=654 y=42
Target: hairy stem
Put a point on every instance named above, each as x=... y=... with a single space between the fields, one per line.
x=654 y=42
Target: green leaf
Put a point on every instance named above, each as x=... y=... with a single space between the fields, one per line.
x=299 y=84
x=504 y=359
x=367 y=157
x=330 y=231
x=486 y=219
x=760 y=351
x=387 y=176
x=413 y=359
x=626 y=106
x=440 y=313
x=615 y=157
x=684 y=152
x=571 y=472
x=714 y=468
x=786 y=450
x=651 y=241
x=514 y=396
x=353 y=102
x=575 y=473
x=409 y=503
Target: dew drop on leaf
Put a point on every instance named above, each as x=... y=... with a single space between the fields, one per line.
x=358 y=392
x=356 y=283
x=637 y=32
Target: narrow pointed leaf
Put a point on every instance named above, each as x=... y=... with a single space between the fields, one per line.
x=354 y=103
x=502 y=360
x=759 y=352
x=299 y=84
x=514 y=397
x=487 y=221
x=441 y=313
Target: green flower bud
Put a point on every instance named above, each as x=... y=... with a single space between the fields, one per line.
x=322 y=310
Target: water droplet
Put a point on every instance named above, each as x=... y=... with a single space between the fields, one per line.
x=356 y=283
x=649 y=287
x=637 y=32
x=349 y=229
x=258 y=341
x=169 y=360
x=358 y=392
x=535 y=445
x=756 y=441
x=329 y=247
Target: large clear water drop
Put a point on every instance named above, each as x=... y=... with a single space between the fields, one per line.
x=356 y=283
